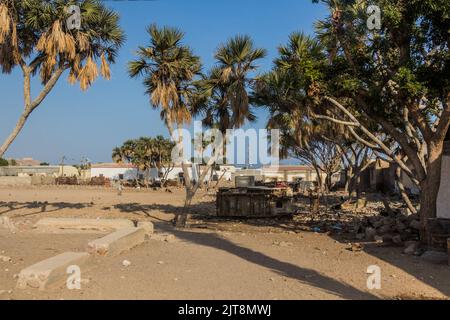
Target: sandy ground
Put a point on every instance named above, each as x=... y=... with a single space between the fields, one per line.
x=210 y=260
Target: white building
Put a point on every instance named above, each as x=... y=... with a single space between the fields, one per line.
x=114 y=171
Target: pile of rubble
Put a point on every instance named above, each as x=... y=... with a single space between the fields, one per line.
x=394 y=228
x=368 y=222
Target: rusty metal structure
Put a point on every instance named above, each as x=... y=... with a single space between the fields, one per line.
x=254 y=202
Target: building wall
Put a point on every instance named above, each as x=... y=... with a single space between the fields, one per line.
x=443 y=201
x=49 y=171
x=114 y=173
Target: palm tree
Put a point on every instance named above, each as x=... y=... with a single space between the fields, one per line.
x=236 y=61
x=168 y=68
x=35 y=37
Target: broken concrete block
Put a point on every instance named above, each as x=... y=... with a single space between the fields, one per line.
x=117 y=242
x=48 y=224
x=51 y=270
x=147 y=226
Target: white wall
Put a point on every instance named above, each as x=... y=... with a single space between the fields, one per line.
x=443 y=202
x=113 y=173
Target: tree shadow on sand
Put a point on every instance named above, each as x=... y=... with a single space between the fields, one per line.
x=436 y=276
x=285 y=269
x=47 y=207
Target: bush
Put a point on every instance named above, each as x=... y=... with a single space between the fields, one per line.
x=3 y=162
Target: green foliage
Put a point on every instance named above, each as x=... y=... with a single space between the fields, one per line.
x=3 y=162
x=168 y=68
x=36 y=30
x=145 y=152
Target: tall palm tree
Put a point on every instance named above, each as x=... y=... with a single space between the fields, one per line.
x=35 y=37
x=168 y=68
x=236 y=60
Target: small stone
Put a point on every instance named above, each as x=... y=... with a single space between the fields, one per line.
x=356 y=247
x=397 y=239
x=126 y=263
x=370 y=233
x=411 y=247
x=415 y=224
x=5 y=258
x=160 y=262
x=385 y=229
x=360 y=236
x=378 y=239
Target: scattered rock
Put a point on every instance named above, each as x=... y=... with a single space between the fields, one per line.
x=126 y=263
x=378 y=239
x=282 y=243
x=411 y=247
x=356 y=247
x=397 y=239
x=415 y=224
x=370 y=233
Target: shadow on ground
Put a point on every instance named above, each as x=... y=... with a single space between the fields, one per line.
x=436 y=276
x=285 y=269
x=47 y=207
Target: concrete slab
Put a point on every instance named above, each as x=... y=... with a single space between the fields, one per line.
x=5 y=222
x=165 y=237
x=117 y=242
x=55 y=224
x=46 y=272
x=147 y=226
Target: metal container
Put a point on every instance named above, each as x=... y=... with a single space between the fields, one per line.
x=244 y=181
x=254 y=202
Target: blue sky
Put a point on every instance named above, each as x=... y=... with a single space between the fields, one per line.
x=75 y=124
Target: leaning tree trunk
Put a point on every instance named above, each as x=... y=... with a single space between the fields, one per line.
x=30 y=106
x=19 y=126
x=429 y=191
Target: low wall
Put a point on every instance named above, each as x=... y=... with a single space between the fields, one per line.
x=15 y=181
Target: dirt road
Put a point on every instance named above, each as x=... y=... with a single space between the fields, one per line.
x=224 y=260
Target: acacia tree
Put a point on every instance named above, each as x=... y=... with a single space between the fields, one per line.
x=35 y=37
x=396 y=77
